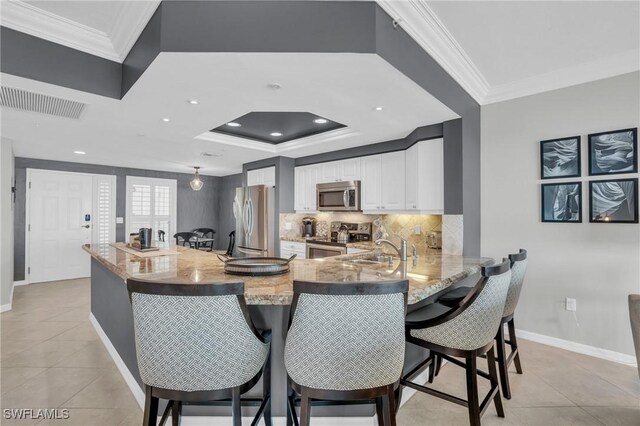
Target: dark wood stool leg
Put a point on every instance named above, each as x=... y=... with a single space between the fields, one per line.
x=292 y=417
x=392 y=406
x=150 y=407
x=266 y=391
x=491 y=360
x=176 y=413
x=379 y=411
x=438 y=365
x=305 y=410
x=472 y=390
x=236 y=410
x=514 y=345
x=502 y=363
x=432 y=368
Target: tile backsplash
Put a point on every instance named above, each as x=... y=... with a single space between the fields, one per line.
x=391 y=226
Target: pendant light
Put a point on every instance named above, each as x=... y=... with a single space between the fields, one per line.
x=196 y=183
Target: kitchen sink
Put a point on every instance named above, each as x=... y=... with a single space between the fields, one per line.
x=364 y=262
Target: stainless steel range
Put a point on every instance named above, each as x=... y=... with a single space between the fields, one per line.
x=342 y=233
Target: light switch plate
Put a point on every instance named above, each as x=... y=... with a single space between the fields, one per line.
x=417 y=230
x=120 y=220
x=571 y=304
x=288 y=226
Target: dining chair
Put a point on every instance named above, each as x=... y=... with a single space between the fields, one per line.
x=186 y=238
x=205 y=238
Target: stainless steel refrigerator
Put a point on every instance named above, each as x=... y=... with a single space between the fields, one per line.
x=254 y=210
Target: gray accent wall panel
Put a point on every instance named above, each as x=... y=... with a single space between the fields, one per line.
x=400 y=50
x=259 y=26
x=38 y=59
x=194 y=209
x=226 y=221
x=144 y=51
x=453 y=168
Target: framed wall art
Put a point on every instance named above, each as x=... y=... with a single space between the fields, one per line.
x=560 y=158
x=562 y=202
x=613 y=152
x=613 y=201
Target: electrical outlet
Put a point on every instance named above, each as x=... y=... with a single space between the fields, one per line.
x=288 y=226
x=417 y=230
x=119 y=220
x=570 y=304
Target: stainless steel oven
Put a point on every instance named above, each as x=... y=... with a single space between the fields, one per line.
x=338 y=196
x=317 y=250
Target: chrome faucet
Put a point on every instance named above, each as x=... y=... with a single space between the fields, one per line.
x=402 y=250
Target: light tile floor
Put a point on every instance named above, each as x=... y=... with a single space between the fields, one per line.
x=51 y=357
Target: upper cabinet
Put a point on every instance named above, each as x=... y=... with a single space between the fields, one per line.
x=410 y=181
x=266 y=176
x=306 y=178
x=424 y=187
x=337 y=171
x=383 y=181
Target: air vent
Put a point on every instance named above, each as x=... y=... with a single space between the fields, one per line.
x=37 y=102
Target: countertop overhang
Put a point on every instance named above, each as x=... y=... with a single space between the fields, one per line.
x=429 y=273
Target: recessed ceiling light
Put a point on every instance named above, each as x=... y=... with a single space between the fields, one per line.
x=234 y=124
x=166 y=120
x=193 y=101
x=275 y=134
x=320 y=121
x=379 y=108
x=79 y=152
x=274 y=86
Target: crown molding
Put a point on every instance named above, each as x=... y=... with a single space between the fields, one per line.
x=132 y=18
x=23 y=17
x=611 y=66
x=306 y=142
x=424 y=26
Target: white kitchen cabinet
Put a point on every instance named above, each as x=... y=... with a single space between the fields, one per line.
x=289 y=248
x=350 y=169
x=393 y=181
x=371 y=184
x=383 y=182
x=338 y=171
x=425 y=177
x=265 y=176
x=306 y=178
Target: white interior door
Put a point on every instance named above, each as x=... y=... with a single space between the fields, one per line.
x=59 y=223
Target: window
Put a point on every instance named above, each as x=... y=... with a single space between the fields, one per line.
x=151 y=203
x=104 y=209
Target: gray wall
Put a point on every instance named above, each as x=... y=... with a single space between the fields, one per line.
x=226 y=221
x=6 y=223
x=195 y=208
x=284 y=192
x=597 y=264
x=401 y=51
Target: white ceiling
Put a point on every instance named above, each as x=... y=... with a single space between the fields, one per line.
x=500 y=50
x=130 y=132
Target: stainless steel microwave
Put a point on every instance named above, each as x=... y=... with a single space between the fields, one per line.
x=338 y=196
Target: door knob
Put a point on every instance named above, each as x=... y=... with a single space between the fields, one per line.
x=86 y=226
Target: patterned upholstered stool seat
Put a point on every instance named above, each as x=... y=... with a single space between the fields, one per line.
x=346 y=342
x=197 y=343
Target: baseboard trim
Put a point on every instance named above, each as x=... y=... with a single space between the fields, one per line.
x=5 y=308
x=580 y=348
x=135 y=388
x=21 y=282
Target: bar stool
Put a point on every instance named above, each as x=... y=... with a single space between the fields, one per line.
x=196 y=343
x=467 y=331
x=518 y=269
x=345 y=343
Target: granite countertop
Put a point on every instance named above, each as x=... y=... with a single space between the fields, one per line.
x=365 y=245
x=428 y=274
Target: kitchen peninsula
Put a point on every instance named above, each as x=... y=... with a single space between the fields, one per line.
x=268 y=298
